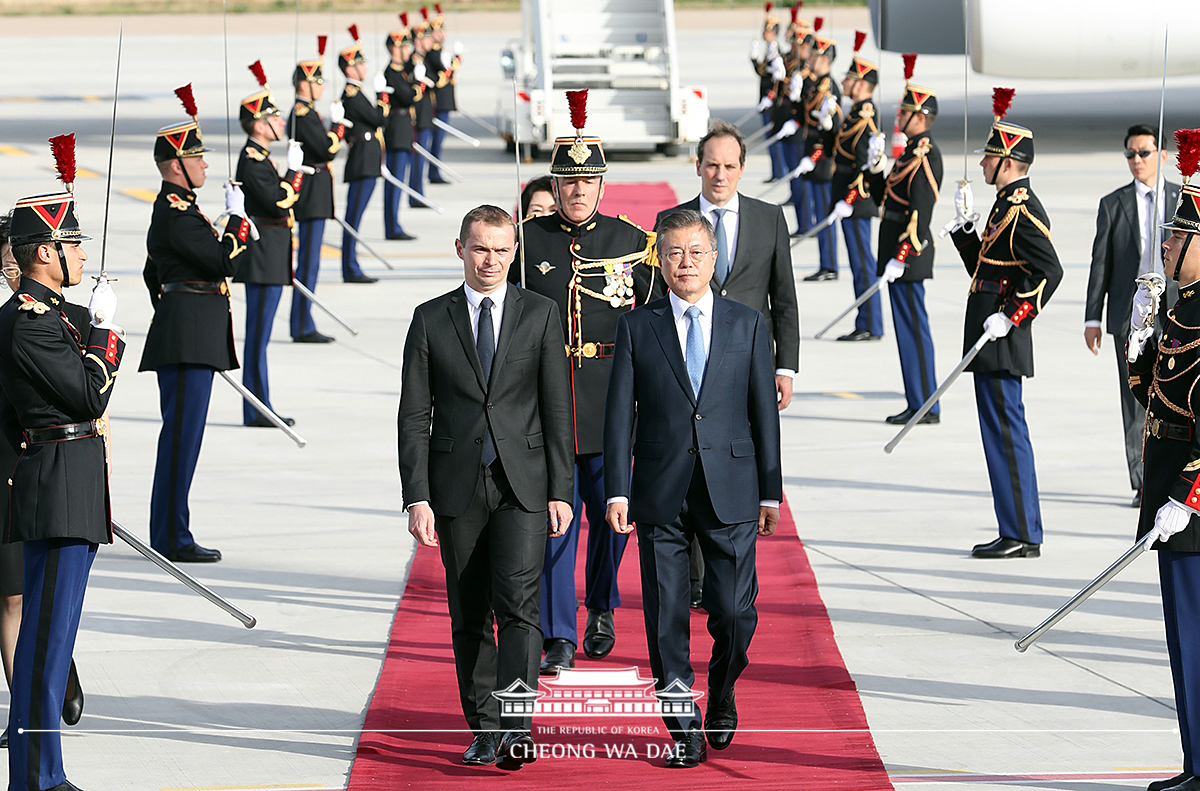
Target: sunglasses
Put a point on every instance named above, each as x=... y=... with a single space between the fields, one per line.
x=1144 y=153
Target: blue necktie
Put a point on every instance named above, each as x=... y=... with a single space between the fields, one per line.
x=485 y=346
x=695 y=349
x=722 y=268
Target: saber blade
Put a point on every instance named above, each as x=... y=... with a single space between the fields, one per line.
x=445 y=127
x=409 y=191
x=870 y=292
x=933 y=399
x=263 y=409
x=311 y=297
x=477 y=119
x=358 y=238
x=112 y=141
x=439 y=163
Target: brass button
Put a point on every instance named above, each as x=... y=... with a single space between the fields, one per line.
x=23 y=446
x=590 y=350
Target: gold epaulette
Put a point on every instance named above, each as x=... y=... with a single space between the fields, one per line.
x=301 y=109
x=29 y=302
x=650 y=251
x=351 y=90
x=177 y=202
x=255 y=154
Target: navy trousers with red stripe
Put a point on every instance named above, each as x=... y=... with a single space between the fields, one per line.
x=56 y=575
x=183 y=395
x=261 y=303
x=1009 y=455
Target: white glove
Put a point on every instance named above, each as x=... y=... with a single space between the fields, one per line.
x=103 y=304
x=789 y=128
x=458 y=49
x=996 y=326
x=235 y=199
x=825 y=114
x=295 y=155
x=419 y=71
x=876 y=159
x=1172 y=518
x=964 y=206
x=893 y=271
x=826 y=123
x=337 y=113
x=1143 y=308
x=1138 y=338
x=841 y=210
x=763 y=104
x=379 y=85
x=806 y=165
x=778 y=70
x=794 y=87
x=756 y=50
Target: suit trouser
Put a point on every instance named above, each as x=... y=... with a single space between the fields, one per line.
x=435 y=144
x=1179 y=578
x=416 y=173
x=397 y=165
x=1009 y=455
x=775 y=150
x=730 y=588
x=493 y=558
x=604 y=551
x=863 y=268
x=56 y=575
x=261 y=303
x=183 y=393
x=357 y=198
x=308 y=266
x=914 y=342
x=820 y=193
x=1133 y=417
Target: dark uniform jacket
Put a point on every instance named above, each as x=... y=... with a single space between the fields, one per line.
x=1013 y=268
x=763 y=69
x=320 y=147
x=442 y=67
x=851 y=155
x=909 y=193
x=366 y=149
x=191 y=326
x=819 y=142
x=595 y=272
x=398 y=134
x=269 y=201
x=55 y=373
x=423 y=106
x=1163 y=379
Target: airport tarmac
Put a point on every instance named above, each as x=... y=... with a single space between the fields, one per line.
x=180 y=696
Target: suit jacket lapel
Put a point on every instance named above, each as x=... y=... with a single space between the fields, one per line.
x=742 y=253
x=1129 y=206
x=668 y=338
x=508 y=326
x=460 y=317
x=721 y=327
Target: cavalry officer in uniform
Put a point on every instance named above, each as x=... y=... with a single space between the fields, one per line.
x=366 y=153
x=822 y=116
x=444 y=73
x=57 y=379
x=191 y=334
x=906 y=250
x=267 y=267
x=857 y=148
x=398 y=134
x=315 y=204
x=596 y=268
x=1163 y=378
x=423 y=110
x=1014 y=271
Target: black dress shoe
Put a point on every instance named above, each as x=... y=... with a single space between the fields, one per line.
x=695 y=596
x=1006 y=548
x=194 y=553
x=900 y=419
x=1191 y=784
x=560 y=655
x=439 y=181
x=401 y=237
x=262 y=421
x=73 y=705
x=360 y=279
x=1163 y=785
x=720 y=721
x=65 y=785
x=516 y=749
x=821 y=275
x=600 y=636
x=419 y=206
x=482 y=751
x=771 y=180
x=1137 y=500
x=859 y=335
x=313 y=337
x=689 y=752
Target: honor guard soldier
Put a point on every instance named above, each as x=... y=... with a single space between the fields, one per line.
x=1014 y=271
x=191 y=335
x=857 y=148
x=366 y=150
x=267 y=266
x=1163 y=377
x=822 y=117
x=398 y=134
x=443 y=69
x=315 y=204
x=424 y=109
x=57 y=379
x=799 y=78
x=596 y=268
x=768 y=64
x=906 y=249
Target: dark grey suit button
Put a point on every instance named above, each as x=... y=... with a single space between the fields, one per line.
x=724 y=292
x=691 y=450
x=479 y=441
x=699 y=417
x=489 y=406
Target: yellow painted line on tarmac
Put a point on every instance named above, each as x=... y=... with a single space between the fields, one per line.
x=93 y=99
x=13 y=151
x=139 y=194
x=330 y=252
x=851 y=396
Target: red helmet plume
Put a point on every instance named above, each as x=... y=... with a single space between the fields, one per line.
x=767 y=8
x=577 y=102
x=438 y=7
x=1187 y=142
x=1001 y=101
x=404 y=18
x=795 y=13
x=256 y=68
x=189 y=102
x=425 y=13
x=63 y=148
x=354 y=32
x=818 y=23
x=321 y=40
x=859 y=38
x=910 y=63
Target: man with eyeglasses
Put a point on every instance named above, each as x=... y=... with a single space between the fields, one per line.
x=1127 y=245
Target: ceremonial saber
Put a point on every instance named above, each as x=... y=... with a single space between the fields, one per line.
x=929 y=402
x=1130 y=555
x=870 y=292
x=786 y=178
x=112 y=142
x=765 y=143
x=350 y=230
x=228 y=132
x=196 y=585
x=409 y=191
x=517 y=149
x=440 y=124
x=816 y=229
x=263 y=409
x=478 y=120
x=434 y=160
x=746 y=117
x=303 y=289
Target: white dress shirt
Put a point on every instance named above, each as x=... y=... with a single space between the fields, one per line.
x=1145 y=199
x=497 y=297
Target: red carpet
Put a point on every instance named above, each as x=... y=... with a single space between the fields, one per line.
x=640 y=202
x=414 y=732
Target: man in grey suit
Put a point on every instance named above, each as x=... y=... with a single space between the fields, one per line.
x=693 y=373
x=481 y=471
x=1128 y=244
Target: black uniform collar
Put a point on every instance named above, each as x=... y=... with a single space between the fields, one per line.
x=308 y=102
x=578 y=230
x=183 y=192
x=1012 y=187
x=916 y=139
x=252 y=143
x=40 y=292
x=1186 y=293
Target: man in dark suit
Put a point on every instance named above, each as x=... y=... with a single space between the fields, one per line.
x=1126 y=245
x=693 y=372
x=481 y=471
